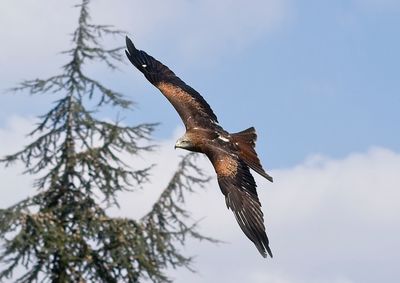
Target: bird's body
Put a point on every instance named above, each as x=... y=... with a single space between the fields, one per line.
x=231 y=154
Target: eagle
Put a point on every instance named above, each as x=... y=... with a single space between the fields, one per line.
x=231 y=154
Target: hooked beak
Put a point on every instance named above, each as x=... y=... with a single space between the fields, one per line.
x=177 y=144
x=180 y=143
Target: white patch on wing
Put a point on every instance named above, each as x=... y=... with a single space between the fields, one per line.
x=223 y=139
x=144 y=65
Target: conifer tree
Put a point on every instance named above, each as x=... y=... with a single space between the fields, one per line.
x=63 y=233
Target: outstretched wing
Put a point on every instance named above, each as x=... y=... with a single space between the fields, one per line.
x=190 y=105
x=239 y=188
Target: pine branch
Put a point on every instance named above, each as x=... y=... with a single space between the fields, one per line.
x=169 y=217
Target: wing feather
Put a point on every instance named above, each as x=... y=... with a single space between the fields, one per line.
x=239 y=188
x=190 y=105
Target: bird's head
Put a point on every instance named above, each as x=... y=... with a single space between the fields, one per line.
x=185 y=143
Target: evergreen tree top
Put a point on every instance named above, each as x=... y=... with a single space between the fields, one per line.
x=63 y=233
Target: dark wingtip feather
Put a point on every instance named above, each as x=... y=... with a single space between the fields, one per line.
x=129 y=44
x=134 y=55
x=268 y=177
x=269 y=252
x=127 y=53
x=265 y=251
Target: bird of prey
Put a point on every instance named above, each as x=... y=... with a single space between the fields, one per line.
x=231 y=154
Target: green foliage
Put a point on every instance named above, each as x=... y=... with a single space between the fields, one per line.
x=63 y=234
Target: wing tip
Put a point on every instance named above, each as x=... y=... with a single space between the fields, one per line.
x=129 y=45
x=134 y=55
x=264 y=249
x=269 y=252
x=268 y=177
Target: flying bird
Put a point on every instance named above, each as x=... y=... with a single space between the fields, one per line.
x=231 y=154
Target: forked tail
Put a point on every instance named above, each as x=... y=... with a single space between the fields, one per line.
x=246 y=141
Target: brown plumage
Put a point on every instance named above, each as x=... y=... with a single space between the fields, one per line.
x=232 y=155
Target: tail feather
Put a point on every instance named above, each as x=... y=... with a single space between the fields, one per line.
x=246 y=141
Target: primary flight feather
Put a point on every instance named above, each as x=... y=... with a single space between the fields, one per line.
x=232 y=154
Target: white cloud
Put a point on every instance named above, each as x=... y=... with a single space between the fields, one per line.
x=329 y=220
x=32 y=33
x=196 y=31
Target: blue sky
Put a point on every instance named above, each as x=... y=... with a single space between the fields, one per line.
x=320 y=81
x=322 y=77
